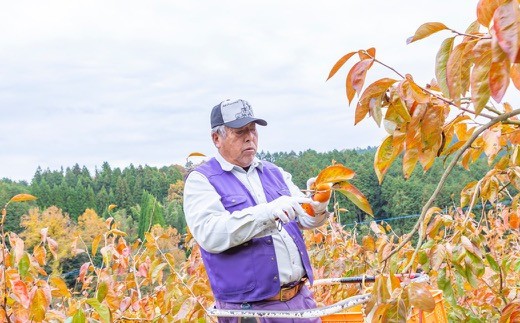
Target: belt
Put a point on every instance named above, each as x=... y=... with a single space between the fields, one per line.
x=288 y=292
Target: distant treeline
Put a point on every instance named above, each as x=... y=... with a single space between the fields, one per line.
x=74 y=189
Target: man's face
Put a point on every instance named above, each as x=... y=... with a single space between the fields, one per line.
x=239 y=145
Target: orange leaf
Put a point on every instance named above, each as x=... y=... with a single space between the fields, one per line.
x=499 y=79
x=340 y=63
x=417 y=93
x=20 y=291
x=441 y=62
x=334 y=174
x=506 y=25
x=480 y=91
x=485 y=10
x=40 y=254
x=372 y=93
x=22 y=198
x=426 y=30
x=356 y=78
x=355 y=196
x=515 y=75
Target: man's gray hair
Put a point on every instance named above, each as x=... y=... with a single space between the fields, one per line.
x=221 y=130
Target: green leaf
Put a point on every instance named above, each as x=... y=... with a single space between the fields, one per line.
x=492 y=263
x=426 y=30
x=79 y=317
x=102 y=291
x=101 y=309
x=440 y=65
x=24 y=265
x=445 y=285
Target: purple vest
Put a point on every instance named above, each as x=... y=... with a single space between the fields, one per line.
x=248 y=272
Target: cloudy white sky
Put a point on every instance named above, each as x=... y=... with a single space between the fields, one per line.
x=134 y=81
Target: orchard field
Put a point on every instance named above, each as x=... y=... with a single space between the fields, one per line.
x=467 y=242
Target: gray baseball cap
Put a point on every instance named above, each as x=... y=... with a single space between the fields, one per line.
x=234 y=114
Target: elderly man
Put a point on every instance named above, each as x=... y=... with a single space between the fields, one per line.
x=246 y=215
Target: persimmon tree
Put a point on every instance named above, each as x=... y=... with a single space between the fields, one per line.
x=459 y=116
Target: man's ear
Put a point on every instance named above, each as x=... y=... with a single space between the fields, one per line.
x=216 y=139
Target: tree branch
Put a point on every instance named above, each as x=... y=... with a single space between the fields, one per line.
x=441 y=183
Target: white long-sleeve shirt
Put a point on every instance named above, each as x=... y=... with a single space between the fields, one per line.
x=216 y=231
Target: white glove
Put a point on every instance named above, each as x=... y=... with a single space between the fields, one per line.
x=286 y=208
x=319 y=207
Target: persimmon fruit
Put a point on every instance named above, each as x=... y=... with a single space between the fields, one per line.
x=322 y=194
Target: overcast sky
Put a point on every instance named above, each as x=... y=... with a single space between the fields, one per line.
x=134 y=81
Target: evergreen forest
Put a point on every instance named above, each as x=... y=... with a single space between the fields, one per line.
x=129 y=195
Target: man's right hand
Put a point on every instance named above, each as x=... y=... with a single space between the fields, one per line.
x=286 y=208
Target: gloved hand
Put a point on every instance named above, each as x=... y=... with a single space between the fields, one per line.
x=286 y=208
x=319 y=207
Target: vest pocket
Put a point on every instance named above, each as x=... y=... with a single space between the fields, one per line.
x=233 y=202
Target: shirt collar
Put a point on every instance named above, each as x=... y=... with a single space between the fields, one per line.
x=227 y=166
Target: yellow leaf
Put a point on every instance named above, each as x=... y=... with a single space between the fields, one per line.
x=117 y=232
x=410 y=158
x=385 y=155
x=39 y=306
x=426 y=30
x=60 y=286
x=196 y=154
x=480 y=90
x=111 y=207
x=22 y=198
x=95 y=244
